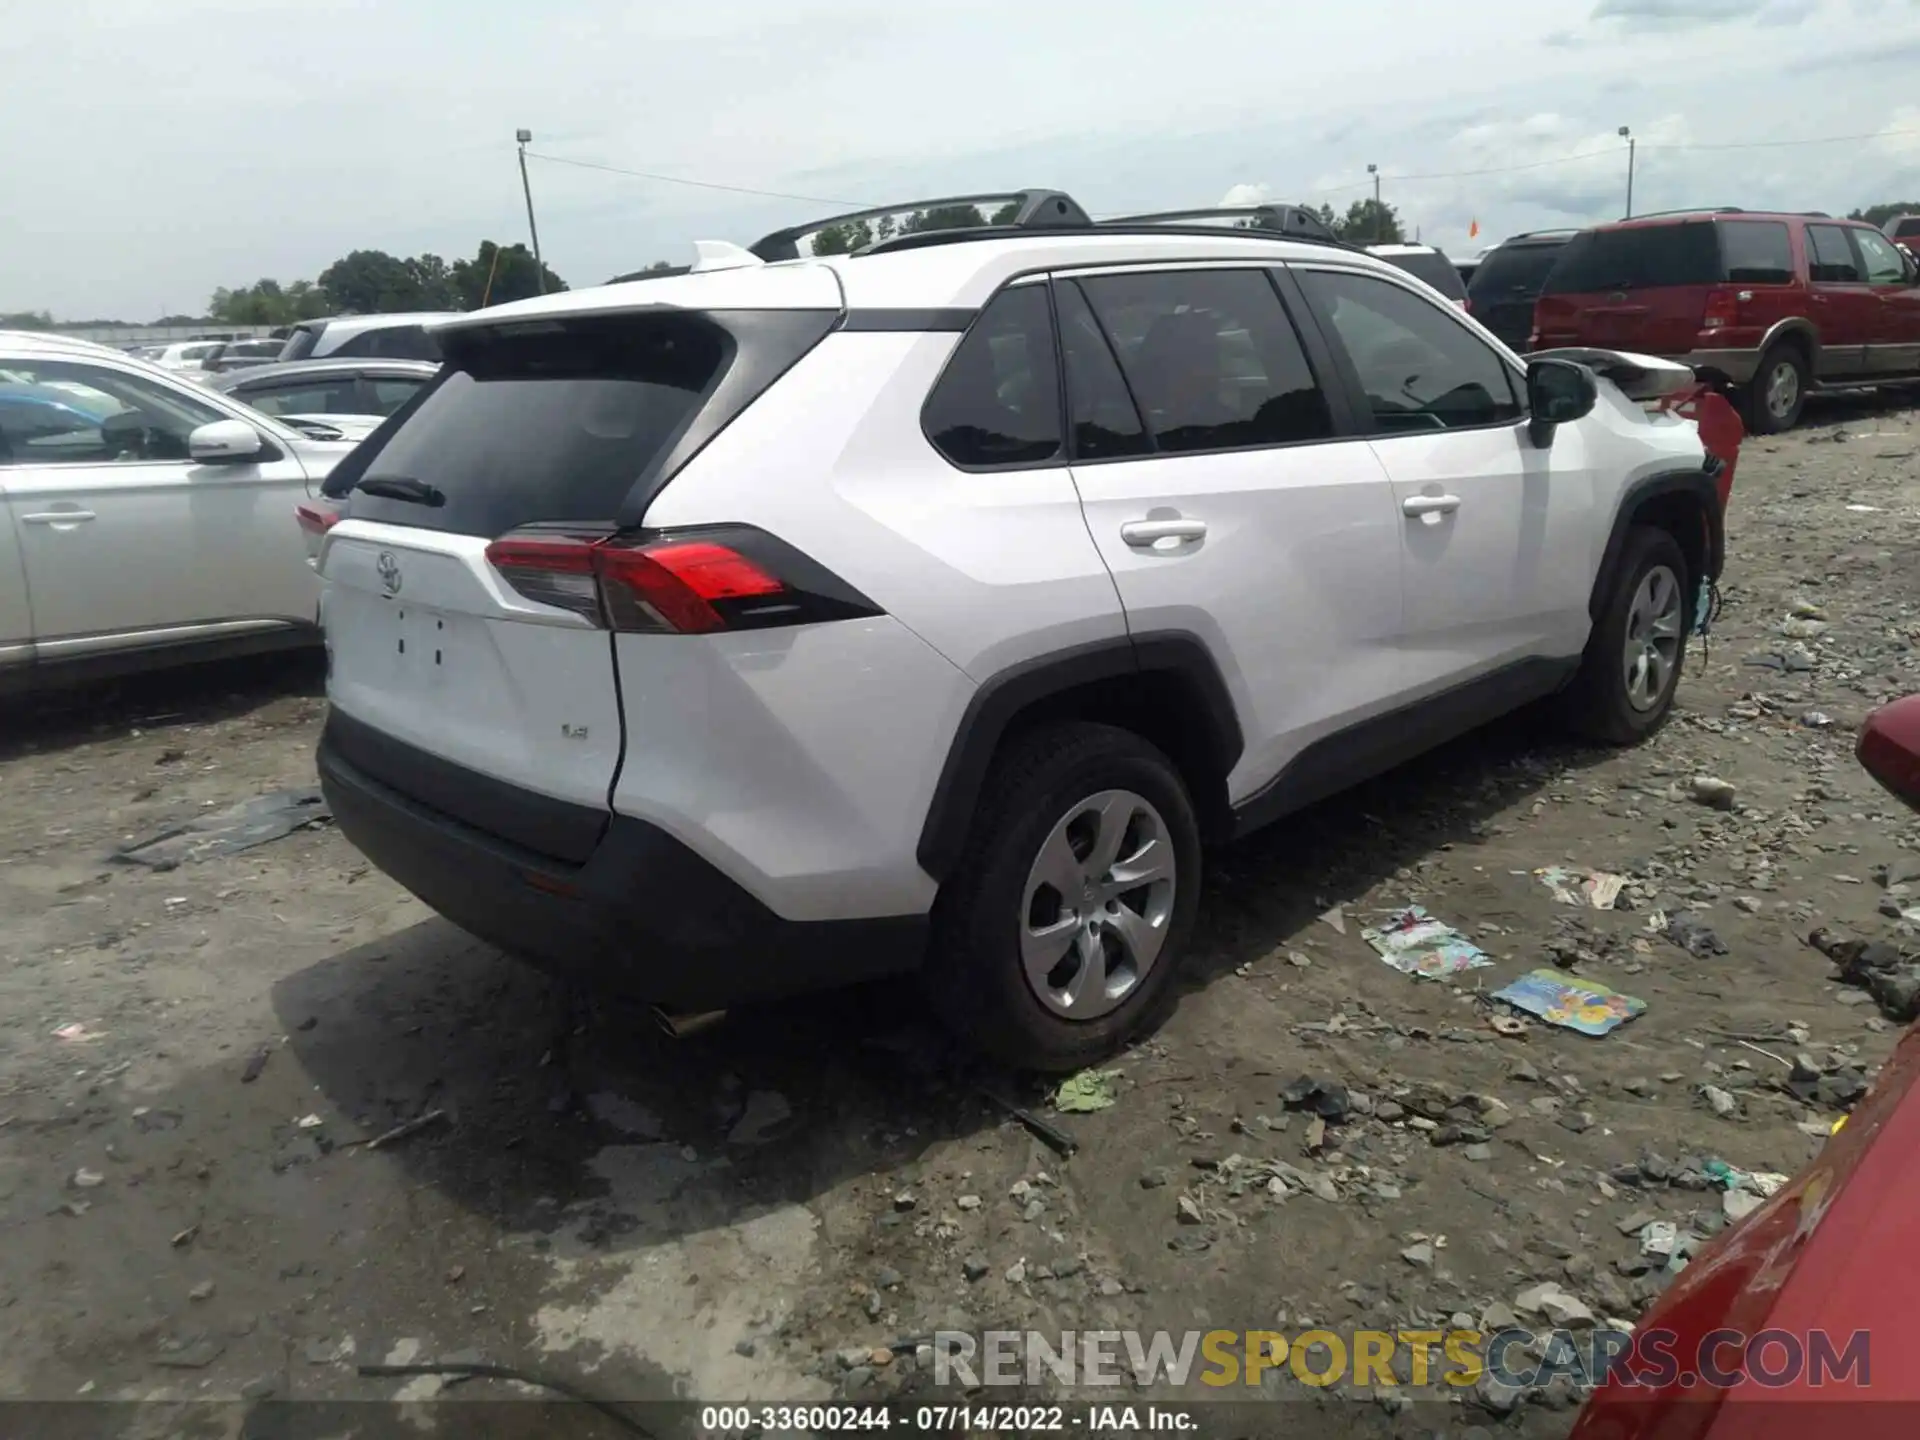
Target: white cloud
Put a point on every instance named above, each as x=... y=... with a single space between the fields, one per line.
x=1248 y=194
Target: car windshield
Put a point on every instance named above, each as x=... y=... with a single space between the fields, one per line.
x=1513 y=270
x=1637 y=257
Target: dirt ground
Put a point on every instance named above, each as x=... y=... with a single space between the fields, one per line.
x=191 y=1212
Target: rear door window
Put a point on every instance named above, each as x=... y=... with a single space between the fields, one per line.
x=1420 y=368
x=300 y=344
x=997 y=403
x=1831 y=260
x=1756 y=252
x=391 y=342
x=554 y=422
x=1636 y=258
x=1211 y=358
x=1106 y=423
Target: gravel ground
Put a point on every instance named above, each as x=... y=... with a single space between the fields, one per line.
x=192 y=1210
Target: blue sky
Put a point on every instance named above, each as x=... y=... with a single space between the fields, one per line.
x=176 y=145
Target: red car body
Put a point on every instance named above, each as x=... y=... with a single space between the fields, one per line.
x=1833 y=1257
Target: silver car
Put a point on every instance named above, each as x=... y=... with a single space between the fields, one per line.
x=147 y=519
x=341 y=393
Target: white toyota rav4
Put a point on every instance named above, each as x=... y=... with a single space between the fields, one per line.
x=804 y=619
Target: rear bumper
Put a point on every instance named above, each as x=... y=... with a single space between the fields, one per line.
x=1736 y=367
x=643 y=916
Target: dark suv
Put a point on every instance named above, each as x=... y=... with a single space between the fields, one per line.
x=1771 y=305
x=1508 y=279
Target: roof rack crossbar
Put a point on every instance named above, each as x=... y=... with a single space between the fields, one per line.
x=1035 y=210
x=1293 y=220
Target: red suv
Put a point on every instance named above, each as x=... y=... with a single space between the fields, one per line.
x=1771 y=305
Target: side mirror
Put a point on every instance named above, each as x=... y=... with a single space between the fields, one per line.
x=224 y=442
x=1558 y=393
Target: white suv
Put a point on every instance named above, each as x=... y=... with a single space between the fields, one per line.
x=805 y=619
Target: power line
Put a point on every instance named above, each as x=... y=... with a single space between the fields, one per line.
x=698 y=184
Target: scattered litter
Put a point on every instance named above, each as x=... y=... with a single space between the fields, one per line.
x=1583 y=1005
x=407 y=1130
x=1763 y=1183
x=1086 y=1092
x=1694 y=936
x=1879 y=969
x=1044 y=1130
x=228 y=832
x=1511 y=1026
x=256 y=1062
x=77 y=1033
x=184 y=1237
x=1864 y=509
x=1415 y=943
x=1596 y=889
x=1328 y=1099
x=1817 y=720
x=309 y=1122
x=1738 y=1204
x=1336 y=917
x=85 y=1179
x=1659 y=1238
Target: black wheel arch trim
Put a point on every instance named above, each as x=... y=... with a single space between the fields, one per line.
x=1697 y=483
x=1002 y=699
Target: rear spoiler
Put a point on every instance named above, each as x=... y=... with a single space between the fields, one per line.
x=1638 y=377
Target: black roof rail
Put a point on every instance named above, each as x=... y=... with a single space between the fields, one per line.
x=1688 y=210
x=1542 y=234
x=1293 y=221
x=658 y=272
x=1034 y=210
x=1816 y=214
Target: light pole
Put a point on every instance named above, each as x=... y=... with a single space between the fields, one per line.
x=525 y=138
x=1379 y=218
x=1626 y=134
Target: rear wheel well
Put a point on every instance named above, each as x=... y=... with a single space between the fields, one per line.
x=1162 y=707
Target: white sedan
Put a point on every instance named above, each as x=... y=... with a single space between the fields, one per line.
x=146 y=520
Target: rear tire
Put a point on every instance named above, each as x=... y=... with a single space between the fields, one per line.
x=1067 y=914
x=1624 y=690
x=1774 y=400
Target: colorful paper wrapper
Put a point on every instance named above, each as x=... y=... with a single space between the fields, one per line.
x=1414 y=942
x=1583 y=1005
x=1595 y=888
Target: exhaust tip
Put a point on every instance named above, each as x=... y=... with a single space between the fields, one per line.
x=680 y=1027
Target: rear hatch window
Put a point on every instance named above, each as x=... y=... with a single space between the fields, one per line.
x=299 y=345
x=1432 y=267
x=1639 y=257
x=551 y=421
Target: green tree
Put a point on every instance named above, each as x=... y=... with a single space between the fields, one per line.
x=369 y=282
x=265 y=303
x=1881 y=214
x=499 y=273
x=843 y=239
x=1007 y=213
x=1367 y=223
x=433 y=283
x=27 y=320
x=942 y=217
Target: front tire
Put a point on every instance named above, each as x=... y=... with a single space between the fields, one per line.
x=1631 y=668
x=1068 y=913
x=1778 y=392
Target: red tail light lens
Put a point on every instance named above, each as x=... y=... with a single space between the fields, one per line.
x=732 y=578
x=316 y=520
x=1723 y=309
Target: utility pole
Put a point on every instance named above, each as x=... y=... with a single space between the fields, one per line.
x=525 y=138
x=1626 y=134
x=1379 y=215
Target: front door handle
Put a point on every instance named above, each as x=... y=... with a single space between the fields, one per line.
x=1418 y=505
x=57 y=517
x=1144 y=534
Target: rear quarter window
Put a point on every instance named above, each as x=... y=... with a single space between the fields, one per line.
x=1638 y=257
x=1513 y=271
x=1756 y=252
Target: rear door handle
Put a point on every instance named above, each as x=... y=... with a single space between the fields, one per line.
x=1417 y=505
x=1144 y=534
x=57 y=517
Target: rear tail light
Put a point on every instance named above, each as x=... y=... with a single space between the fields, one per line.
x=1723 y=309
x=690 y=583
x=316 y=520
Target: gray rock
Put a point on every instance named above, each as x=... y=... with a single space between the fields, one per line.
x=887 y=1277
x=1724 y=1102
x=1155 y=1178
x=261 y=1387
x=202 y=1291
x=1017 y=1273
x=1187 y=1210
x=1497 y=1317
x=974 y=1268
x=189 y=1354
x=1712 y=791
x=968 y=1202
x=1420 y=1256
x=858 y=1378
x=1738 y=1204
x=1478 y=1152
x=744 y=1348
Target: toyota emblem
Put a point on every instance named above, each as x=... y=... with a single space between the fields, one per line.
x=389 y=568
